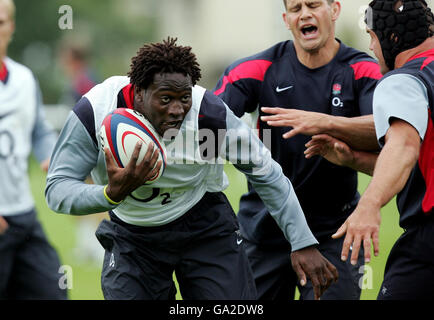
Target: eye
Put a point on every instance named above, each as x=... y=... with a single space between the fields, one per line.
x=165 y=99
x=314 y=4
x=295 y=8
x=186 y=98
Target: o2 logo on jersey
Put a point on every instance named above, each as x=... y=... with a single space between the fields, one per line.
x=336 y=99
x=7 y=144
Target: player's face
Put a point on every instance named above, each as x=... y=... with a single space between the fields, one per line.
x=166 y=101
x=311 y=22
x=7 y=27
x=375 y=47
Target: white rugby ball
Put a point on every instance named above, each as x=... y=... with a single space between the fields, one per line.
x=121 y=130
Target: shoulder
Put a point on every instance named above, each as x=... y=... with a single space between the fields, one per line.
x=98 y=102
x=110 y=85
x=212 y=111
x=400 y=83
x=362 y=64
x=258 y=63
x=19 y=70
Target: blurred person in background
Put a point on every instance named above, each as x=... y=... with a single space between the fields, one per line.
x=29 y=266
x=74 y=59
x=74 y=62
x=318 y=85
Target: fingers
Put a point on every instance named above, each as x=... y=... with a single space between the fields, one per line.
x=376 y=243
x=317 y=290
x=355 y=249
x=301 y=275
x=108 y=158
x=155 y=171
x=341 y=231
x=348 y=241
x=136 y=153
x=367 y=248
x=273 y=110
x=291 y=134
x=333 y=270
x=3 y=225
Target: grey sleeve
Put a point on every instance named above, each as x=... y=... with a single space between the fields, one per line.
x=74 y=157
x=43 y=135
x=404 y=97
x=250 y=156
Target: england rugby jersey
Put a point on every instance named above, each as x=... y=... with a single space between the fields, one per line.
x=407 y=94
x=209 y=133
x=22 y=129
x=276 y=78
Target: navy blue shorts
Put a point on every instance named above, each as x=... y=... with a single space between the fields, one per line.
x=203 y=248
x=276 y=280
x=409 y=273
x=29 y=266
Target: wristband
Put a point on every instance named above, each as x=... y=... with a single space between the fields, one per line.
x=108 y=198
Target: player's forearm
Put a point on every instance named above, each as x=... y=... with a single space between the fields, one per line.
x=393 y=167
x=357 y=132
x=68 y=196
x=278 y=195
x=364 y=162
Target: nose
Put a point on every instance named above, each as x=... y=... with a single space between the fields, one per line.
x=305 y=13
x=176 y=110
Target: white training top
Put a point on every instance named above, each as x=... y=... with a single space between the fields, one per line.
x=187 y=176
x=22 y=128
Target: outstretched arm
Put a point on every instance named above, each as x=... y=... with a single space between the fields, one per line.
x=339 y=153
x=357 y=132
x=279 y=197
x=394 y=165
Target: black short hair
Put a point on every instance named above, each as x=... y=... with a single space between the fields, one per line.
x=163 y=57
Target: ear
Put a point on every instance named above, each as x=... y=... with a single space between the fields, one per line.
x=336 y=10
x=138 y=94
x=285 y=20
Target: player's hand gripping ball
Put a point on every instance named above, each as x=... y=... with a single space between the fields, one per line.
x=120 y=132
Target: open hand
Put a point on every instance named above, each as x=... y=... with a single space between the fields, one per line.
x=330 y=148
x=302 y=122
x=359 y=228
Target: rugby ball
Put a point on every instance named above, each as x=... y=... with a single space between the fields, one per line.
x=120 y=131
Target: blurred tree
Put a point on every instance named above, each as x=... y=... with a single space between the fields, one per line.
x=113 y=30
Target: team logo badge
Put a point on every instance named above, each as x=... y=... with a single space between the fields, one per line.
x=337 y=89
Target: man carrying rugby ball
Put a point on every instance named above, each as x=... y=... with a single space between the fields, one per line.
x=181 y=223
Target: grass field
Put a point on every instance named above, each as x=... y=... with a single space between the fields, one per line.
x=61 y=231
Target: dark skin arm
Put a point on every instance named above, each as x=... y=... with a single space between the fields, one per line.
x=310 y=263
x=123 y=181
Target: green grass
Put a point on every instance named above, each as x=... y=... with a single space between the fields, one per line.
x=61 y=232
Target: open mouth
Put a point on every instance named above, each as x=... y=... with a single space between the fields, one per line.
x=173 y=124
x=309 y=31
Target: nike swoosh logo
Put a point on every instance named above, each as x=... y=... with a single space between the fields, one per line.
x=7 y=114
x=239 y=241
x=283 y=89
